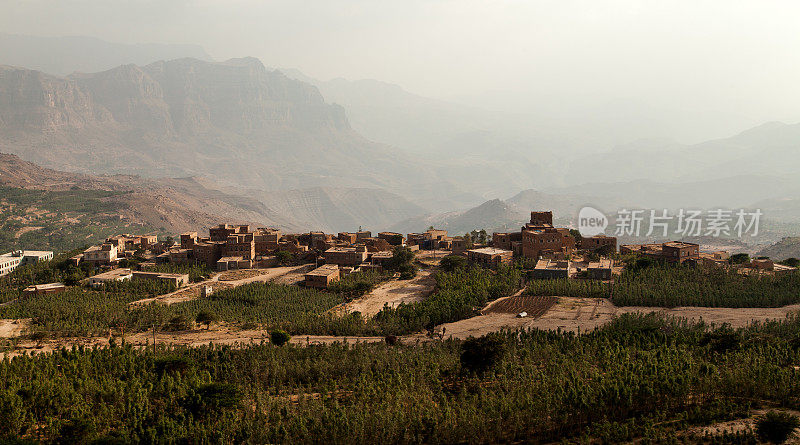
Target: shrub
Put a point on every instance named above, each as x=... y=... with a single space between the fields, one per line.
x=178 y=323
x=791 y=262
x=206 y=317
x=279 y=337
x=776 y=427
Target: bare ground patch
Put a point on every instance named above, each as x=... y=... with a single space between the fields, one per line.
x=10 y=328
x=587 y=314
x=393 y=293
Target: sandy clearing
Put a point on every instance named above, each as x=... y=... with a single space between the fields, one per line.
x=586 y=314
x=393 y=293
x=13 y=327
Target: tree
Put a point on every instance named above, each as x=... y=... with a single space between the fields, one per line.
x=480 y=354
x=206 y=318
x=279 y=337
x=739 y=258
x=776 y=427
x=178 y=323
x=791 y=262
x=468 y=240
x=283 y=257
x=402 y=261
x=452 y=262
x=577 y=235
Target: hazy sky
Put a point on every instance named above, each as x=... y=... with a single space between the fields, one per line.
x=734 y=62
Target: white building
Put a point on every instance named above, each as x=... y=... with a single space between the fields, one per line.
x=12 y=260
x=102 y=254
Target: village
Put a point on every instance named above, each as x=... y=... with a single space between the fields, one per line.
x=541 y=249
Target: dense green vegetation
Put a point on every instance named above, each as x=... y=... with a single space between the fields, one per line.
x=639 y=377
x=63 y=220
x=357 y=284
x=670 y=286
x=459 y=294
x=85 y=312
x=81 y=311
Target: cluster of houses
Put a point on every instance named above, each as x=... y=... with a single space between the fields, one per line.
x=550 y=252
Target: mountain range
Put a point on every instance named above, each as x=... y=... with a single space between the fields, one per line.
x=339 y=154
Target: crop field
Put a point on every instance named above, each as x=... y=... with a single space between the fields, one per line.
x=534 y=305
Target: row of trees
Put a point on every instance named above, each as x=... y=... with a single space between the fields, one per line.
x=671 y=285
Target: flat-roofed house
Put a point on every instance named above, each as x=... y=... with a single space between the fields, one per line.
x=42 y=289
x=322 y=276
x=598 y=242
x=110 y=276
x=672 y=251
x=346 y=256
x=600 y=270
x=393 y=238
x=176 y=279
x=537 y=242
x=12 y=260
x=105 y=253
x=551 y=269
x=490 y=257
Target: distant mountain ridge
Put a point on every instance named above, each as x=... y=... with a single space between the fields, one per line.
x=61 y=56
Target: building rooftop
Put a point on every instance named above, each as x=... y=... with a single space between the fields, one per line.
x=113 y=274
x=43 y=287
x=160 y=274
x=552 y=264
x=340 y=249
x=604 y=263
x=491 y=251
x=679 y=244
x=324 y=270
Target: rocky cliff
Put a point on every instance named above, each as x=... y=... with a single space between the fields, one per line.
x=234 y=121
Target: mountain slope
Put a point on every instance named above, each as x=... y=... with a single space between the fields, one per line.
x=233 y=121
x=768 y=150
x=166 y=205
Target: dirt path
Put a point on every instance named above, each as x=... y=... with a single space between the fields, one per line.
x=393 y=293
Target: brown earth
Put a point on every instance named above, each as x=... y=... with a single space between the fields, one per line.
x=586 y=314
x=393 y=293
